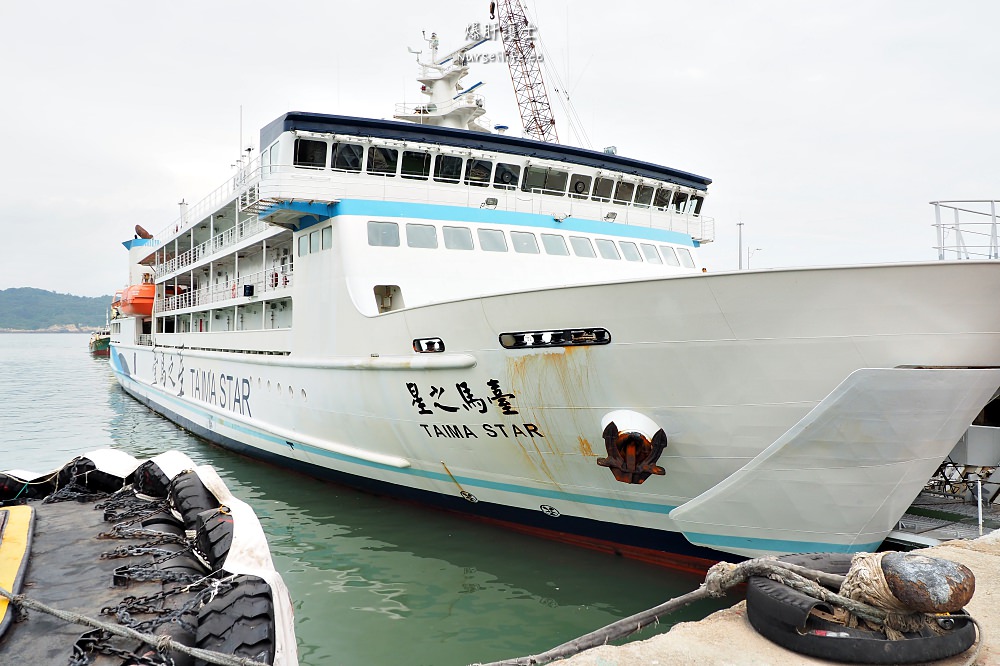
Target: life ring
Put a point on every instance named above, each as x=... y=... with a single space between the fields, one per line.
x=580 y=186
x=234 y=290
x=784 y=616
x=274 y=280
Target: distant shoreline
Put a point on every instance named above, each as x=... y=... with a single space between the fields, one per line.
x=55 y=329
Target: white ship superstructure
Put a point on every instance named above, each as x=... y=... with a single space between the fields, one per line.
x=525 y=331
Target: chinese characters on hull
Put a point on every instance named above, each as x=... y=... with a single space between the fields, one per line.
x=465 y=399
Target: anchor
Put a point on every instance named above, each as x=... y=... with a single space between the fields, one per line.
x=632 y=457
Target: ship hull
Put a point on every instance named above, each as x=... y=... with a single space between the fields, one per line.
x=766 y=385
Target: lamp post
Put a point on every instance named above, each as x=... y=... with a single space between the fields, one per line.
x=740 y=227
x=750 y=253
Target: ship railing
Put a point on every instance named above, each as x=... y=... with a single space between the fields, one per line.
x=417 y=112
x=286 y=183
x=972 y=231
x=699 y=227
x=219 y=242
x=145 y=340
x=247 y=170
x=263 y=282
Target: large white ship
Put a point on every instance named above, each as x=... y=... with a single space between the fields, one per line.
x=524 y=331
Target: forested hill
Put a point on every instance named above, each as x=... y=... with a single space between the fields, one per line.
x=28 y=309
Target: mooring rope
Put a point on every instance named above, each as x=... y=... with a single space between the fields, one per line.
x=718 y=580
x=160 y=642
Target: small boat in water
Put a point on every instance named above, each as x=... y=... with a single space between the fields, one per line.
x=525 y=332
x=100 y=342
x=108 y=546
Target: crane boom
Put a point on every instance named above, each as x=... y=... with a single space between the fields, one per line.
x=525 y=71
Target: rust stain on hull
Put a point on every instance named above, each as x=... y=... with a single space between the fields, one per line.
x=554 y=382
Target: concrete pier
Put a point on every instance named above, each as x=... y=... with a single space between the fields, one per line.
x=726 y=638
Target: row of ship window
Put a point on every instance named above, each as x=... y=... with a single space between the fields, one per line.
x=420 y=165
x=386 y=234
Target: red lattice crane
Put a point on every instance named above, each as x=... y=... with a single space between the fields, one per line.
x=526 y=73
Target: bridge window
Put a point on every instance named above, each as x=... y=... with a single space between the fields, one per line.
x=548 y=181
x=477 y=172
x=607 y=248
x=457 y=238
x=303 y=245
x=680 y=202
x=506 y=176
x=669 y=255
x=630 y=251
x=686 y=259
x=492 y=240
x=582 y=247
x=416 y=165
x=555 y=182
x=347 y=156
x=314 y=241
x=448 y=169
x=649 y=251
x=603 y=187
x=555 y=244
x=696 y=205
x=421 y=235
x=534 y=179
x=382 y=161
x=662 y=198
x=624 y=192
x=274 y=157
x=385 y=234
x=644 y=196
x=327 y=238
x=524 y=242
x=579 y=186
x=310 y=154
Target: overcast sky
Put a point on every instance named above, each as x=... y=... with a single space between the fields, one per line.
x=826 y=126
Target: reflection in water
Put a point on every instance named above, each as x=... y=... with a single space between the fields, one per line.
x=373 y=580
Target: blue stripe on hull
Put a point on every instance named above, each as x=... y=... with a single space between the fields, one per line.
x=422 y=211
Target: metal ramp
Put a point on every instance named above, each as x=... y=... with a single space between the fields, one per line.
x=935 y=517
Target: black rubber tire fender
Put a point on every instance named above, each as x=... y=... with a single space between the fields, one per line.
x=779 y=613
x=214 y=536
x=151 y=480
x=240 y=622
x=164 y=522
x=189 y=497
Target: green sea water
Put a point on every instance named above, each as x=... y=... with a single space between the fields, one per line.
x=373 y=580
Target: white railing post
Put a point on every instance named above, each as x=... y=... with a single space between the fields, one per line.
x=940 y=232
x=979 y=502
x=994 y=254
x=959 y=242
